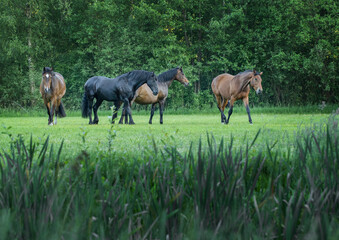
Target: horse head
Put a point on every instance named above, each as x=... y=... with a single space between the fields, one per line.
x=47 y=75
x=256 y=82
x=152 y=83
x=180 y=76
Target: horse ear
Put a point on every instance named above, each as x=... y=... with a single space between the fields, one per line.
x=43 y=70
x=254 y=71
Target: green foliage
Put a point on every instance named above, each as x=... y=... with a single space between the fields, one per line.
x=293 y=42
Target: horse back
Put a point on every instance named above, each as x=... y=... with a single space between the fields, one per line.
x=221 y=85
x=103 y=87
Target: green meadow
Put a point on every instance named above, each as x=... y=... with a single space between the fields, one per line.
x=178 y=130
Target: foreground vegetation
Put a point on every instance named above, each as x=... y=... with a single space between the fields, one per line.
x=211 y=189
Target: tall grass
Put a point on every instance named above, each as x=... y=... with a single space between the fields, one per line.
x=219 y=191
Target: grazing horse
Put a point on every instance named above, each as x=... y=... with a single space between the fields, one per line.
x=119 y=89
x=229 y=88
x=52 y=89
x=144 y=94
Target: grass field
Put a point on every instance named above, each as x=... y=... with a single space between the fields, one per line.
x=275 y=179
x=177 y=131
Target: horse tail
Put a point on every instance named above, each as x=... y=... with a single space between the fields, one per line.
x=61 y=111
x=84 y=106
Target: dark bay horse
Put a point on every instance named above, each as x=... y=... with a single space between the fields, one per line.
x=229 y=88
x=144 y=94
x=117 y=90
x=52 y=89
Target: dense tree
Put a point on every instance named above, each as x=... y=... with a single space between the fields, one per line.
x=294 y=42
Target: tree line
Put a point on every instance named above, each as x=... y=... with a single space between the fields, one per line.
x=294 y=43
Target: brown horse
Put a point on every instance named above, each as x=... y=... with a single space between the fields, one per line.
x=144 y=94
x=228 y=89
x=52 y=89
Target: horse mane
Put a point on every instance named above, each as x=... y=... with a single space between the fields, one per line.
x=138 y=73
x=168 y=75
x=247 y=71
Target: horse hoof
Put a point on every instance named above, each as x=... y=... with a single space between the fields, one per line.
x=51 y=124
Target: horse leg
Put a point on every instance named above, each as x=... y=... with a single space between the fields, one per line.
x=90 y=106
x=220 y=102
x=128 y=111
x=162 y=106
x=231 y=110
x=245 y=100
x=126 y=117
x=123 y=115
x=51 y=112
x=228 y=104
x=95 y=110
x=130 y=105
x=48 y=112
x=152 y=113
x=225 y=103
x=115 y=111
x=56 y=117
x=57 y=111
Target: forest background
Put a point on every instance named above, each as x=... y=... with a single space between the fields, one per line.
x=294 y=42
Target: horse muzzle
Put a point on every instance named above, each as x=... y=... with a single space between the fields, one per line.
x=47 y=90
x=259 y=91
x=155 y=92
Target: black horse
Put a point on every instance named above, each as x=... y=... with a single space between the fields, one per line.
x=117 y=90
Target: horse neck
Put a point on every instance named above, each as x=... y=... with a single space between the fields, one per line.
x=247 y=78
x=139 y=82
x=167 y=78
x=167 y=83
x=243 y=81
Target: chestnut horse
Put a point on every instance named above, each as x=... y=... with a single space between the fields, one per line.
x=229 y=88
x=144 y=94
x=52 y=89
